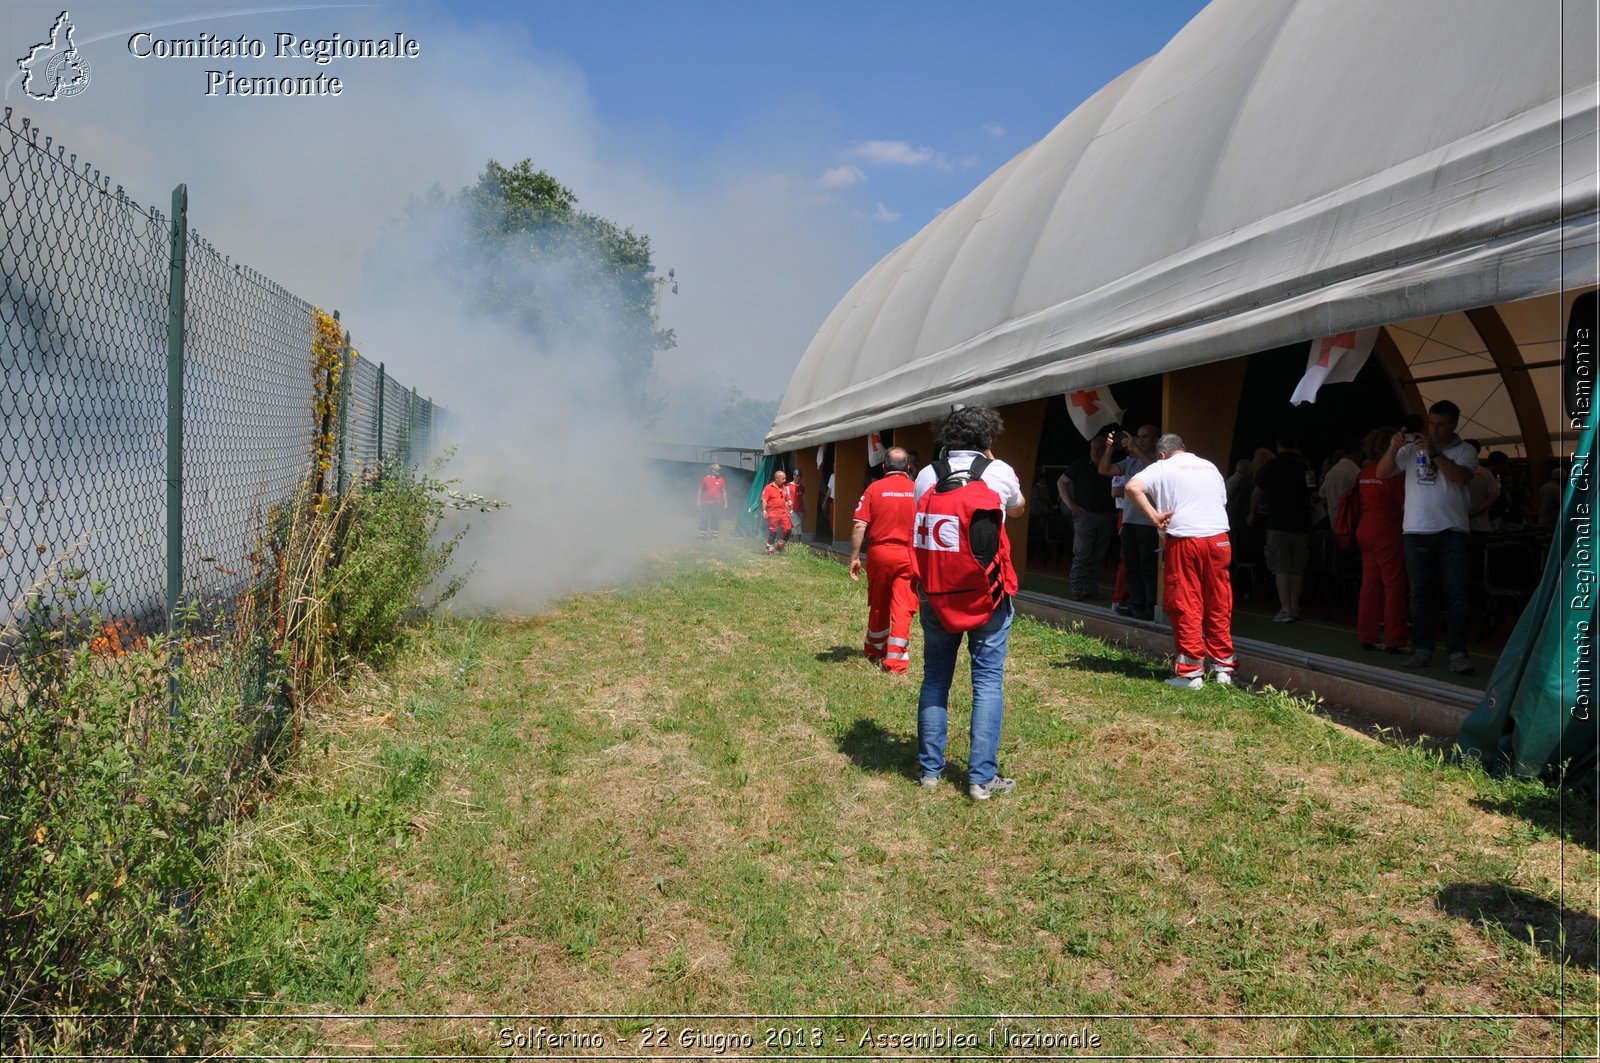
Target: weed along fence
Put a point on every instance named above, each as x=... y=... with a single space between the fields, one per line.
x=159 y=398
x=209 y=504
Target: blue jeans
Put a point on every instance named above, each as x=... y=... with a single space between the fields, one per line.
x=1443 y=557
x=987 y=645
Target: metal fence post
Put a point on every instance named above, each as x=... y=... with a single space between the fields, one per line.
x=381 y=389
x=344 y=412
x=411 y=424
x=175 y=288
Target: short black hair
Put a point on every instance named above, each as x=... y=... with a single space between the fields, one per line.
x=970 y=428
x=1446 y=408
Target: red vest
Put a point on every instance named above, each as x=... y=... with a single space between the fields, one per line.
x=960 y=554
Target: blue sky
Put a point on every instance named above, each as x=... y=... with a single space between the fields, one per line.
x=773 y=152
x=956 y=88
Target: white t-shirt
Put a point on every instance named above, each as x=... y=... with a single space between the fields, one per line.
x=1191 y=489
x=1433 y=503
x=1483 y=487
x=1340 y=479
x=999 y=475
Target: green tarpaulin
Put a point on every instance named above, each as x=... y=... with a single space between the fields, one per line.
x=1538 y=716
x=751 y=520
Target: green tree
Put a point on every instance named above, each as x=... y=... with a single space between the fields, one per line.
x=571 y=280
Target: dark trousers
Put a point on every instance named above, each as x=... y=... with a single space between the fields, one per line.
x=1440 y=560
x=1139 y=543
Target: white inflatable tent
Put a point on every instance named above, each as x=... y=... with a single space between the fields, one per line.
x=1281 y=170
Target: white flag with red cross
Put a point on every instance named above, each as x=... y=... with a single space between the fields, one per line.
x=1093 y=410
x=1334 y=360
x=877 y=453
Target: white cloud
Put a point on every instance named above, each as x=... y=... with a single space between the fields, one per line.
x=895 y=153
x=841 y=176
x=884 y=214
x=994 y=129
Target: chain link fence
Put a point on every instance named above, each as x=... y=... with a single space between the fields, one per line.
x=88 y=288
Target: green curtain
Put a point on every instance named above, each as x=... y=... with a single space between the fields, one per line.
x=1538 y=716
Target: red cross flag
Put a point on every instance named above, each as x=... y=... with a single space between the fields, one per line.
x=1334 y=360
x=877 y=453
x=1093 y=410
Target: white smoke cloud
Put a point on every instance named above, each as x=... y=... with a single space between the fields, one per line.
x=309 y=191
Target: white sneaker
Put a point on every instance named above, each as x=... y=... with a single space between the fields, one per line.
x=1284 y=617
x=1187 y=682
x=982 y=791
x=1222 y=679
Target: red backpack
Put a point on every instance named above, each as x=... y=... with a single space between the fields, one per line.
x=1347 y=517
x=960 y=554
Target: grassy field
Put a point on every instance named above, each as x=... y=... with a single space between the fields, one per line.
x=693 y=797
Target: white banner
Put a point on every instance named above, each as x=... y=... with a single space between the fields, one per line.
x=1093 y=410
x=877 y=453
x=1334 y=360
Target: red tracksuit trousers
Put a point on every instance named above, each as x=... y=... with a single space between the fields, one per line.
x=1199 y=599
x=1385 y=602
x=891 y=603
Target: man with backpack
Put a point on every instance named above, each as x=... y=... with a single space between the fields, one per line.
x=961 y=559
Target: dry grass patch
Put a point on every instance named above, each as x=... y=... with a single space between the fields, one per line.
x=681 y=798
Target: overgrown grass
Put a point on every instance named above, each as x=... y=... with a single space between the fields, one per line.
x=694 y=797
x=123 y=763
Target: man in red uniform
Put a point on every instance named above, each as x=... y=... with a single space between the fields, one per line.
x=713 y=502
x=797 y=505
x=775 y=506
x=884 y=518
x=1185 y=497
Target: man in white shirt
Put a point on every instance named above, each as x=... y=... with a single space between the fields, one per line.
x=1184 y=496
x=1483 y=491
x=1341 y=477
x=1437 y=466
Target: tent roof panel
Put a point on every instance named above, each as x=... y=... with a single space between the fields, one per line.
x=1283 y=169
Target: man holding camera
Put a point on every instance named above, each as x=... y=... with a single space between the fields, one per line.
x=1087 y=495
x=1139 y=538
x=1437 y=466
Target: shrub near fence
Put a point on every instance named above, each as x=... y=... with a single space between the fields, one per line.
x=183 y=439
